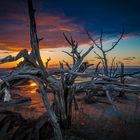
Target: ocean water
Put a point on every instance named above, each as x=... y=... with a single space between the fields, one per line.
x=128 y=69
x=131 y=70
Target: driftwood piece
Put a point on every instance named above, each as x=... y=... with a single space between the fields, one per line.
x=34 y=39
x=127 y=74
x=22 y=53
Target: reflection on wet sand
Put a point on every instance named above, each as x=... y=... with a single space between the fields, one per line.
x=34 y=109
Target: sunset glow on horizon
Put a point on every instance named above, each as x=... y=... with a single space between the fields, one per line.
x=123 y=52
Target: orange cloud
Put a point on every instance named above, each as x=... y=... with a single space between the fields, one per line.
x=127 y=36
x=15 y=37
x=44 y=19
x=13 y=46
x=62 y=28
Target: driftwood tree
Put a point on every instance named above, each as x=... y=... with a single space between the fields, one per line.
x=103 y=56
x=32 y=68
x=63 y=88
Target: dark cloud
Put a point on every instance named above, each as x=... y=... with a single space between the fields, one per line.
x=71 y=16
x=96 y=14
x=129 y=58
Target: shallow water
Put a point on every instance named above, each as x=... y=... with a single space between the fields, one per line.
x=30 y=110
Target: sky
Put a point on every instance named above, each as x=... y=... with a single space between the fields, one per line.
x=72 y=17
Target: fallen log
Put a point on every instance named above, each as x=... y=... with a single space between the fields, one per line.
x=126 y=74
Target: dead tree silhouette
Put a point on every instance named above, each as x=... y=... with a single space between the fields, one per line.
x=100 y=46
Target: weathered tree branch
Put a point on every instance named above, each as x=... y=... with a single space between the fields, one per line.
x=22 y=53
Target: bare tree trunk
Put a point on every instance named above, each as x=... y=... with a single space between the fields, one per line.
x=36 y=55
x=51 y=114
x=122 y=80
x=105 y=64
x=122 y=73
x=34 y=38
